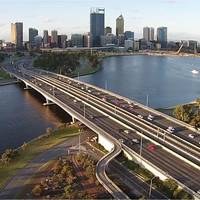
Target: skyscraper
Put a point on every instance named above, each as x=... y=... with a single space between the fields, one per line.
x=54 y=38
x=45 y=37
x=32 y=34
x=87 y=40
x=17 y=34
x=97 y=25
x=162 y=36
x=120 y=25
x=151 y=37
x=146 y=34
x=62 y=41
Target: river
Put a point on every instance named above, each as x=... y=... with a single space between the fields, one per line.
x=166 y=80
x=23 y=116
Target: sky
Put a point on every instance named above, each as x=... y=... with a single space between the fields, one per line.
x=72 y=16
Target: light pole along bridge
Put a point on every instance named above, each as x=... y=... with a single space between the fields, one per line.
x=120 y=124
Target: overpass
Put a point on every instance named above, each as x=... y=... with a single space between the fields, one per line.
x=122 y=121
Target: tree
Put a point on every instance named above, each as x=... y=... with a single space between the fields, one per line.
x=181 y=194
x=183 y=113
x=37 y=191
x=68 y=191
x=198 y=104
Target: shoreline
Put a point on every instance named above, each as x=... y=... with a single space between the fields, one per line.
x=159 y=54
x=4 y=82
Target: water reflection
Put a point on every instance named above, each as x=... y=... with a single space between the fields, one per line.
x=23 y=116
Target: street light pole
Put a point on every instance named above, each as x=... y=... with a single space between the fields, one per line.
x=84 y=110
x=53 y=91
x=79 y=142
x=147 y=102
x=141 y=147
x=150 y=189
x=106 y=85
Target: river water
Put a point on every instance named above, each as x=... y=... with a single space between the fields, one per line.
x=166 y=80
x=23 y=116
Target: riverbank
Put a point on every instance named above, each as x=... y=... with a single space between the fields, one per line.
x=149 y=53
x=169 y=111
x=19 y=158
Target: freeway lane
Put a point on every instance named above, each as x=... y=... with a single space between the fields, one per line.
x=175 y=166
x=159 y=120
x=130 y=109
x=131 y=122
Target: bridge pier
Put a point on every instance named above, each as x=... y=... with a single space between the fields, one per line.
x=107 y=144
x=48 y=102
x=73 y=120
x=27 y=87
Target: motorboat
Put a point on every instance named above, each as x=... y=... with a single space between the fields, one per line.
x=195 y=71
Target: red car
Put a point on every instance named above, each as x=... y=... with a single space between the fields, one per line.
x=151 y=147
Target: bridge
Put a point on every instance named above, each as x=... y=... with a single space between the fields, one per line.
x=123 y=125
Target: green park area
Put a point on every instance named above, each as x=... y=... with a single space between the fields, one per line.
x=69 y=63
x=13 y=160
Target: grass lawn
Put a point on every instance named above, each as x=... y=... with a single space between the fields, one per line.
x=4 y=75
x=86 y=70
x=33 y=149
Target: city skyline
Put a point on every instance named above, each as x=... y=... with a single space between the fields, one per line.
x=136 y=14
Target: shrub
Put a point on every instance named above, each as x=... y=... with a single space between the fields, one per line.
x=8 y=156
x=37 y=191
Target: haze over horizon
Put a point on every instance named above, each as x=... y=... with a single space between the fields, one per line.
x=72 y=16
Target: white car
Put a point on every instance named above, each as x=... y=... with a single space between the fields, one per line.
x=191 y=136
x=140 y=116
x=170 y=129
x=150 y=117
x=127 y=131
x=121 y=140
x=135 y=141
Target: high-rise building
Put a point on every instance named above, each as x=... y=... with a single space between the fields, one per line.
x=146 y=34
x=45 y=37
x=77 y=40
x=54 y=38
x=162 y=36
x=32 y=34
x=97 y=25
x=108 y=29
x=87 y=40
x=17 y=34
x=62 y=41
x=129 y=35
x=108 y=40
x=120 y=25
x=151 y=34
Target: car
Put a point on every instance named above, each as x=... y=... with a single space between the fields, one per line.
x=75 y=101
x=150 y=117
x=151 y=147
x=127 y=131
x=91 y=117
x=191 y=136
x=89 y=91
x=121 y=140
x=170 y=129
x=135 y=141
x=140 y=116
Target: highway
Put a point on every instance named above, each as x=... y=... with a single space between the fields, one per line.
x=101 y=175
x=175 y=167
x=187 y=150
